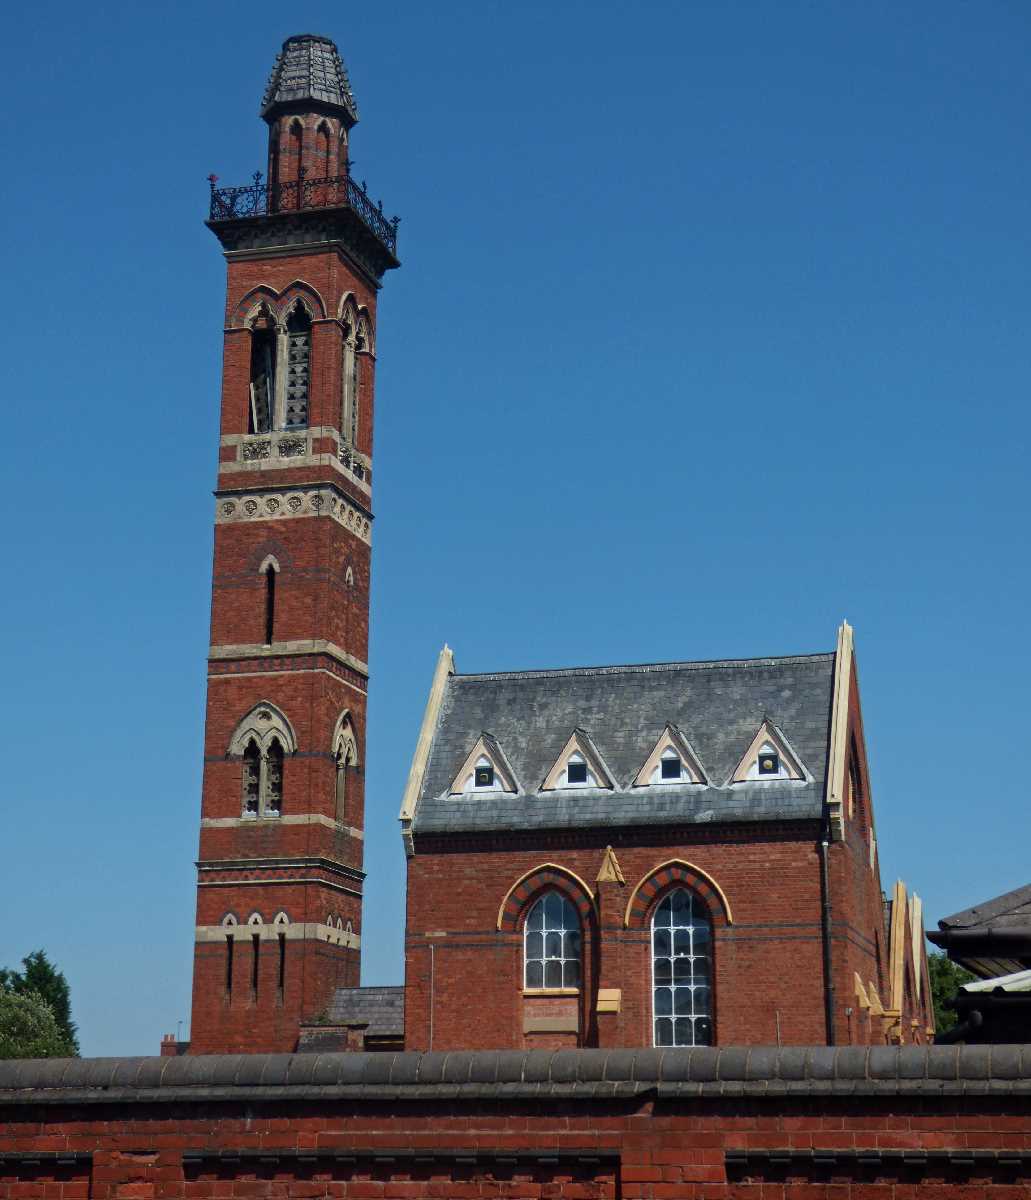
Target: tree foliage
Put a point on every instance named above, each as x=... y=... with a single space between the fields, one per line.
x=41 y=979
x=946 y=980
x=29 y=1028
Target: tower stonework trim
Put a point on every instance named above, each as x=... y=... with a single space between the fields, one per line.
x=282 y=829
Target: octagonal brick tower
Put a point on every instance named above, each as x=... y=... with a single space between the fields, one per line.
x=279 y=887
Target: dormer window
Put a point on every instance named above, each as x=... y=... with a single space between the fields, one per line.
x=769 y=763
x=671 y=766
x=672 y=761
x=576 y=770
x=769 y=757
x=484 y=775
x=579 y=765
x=486 y=769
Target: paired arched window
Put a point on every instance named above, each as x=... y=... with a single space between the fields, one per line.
x=345 y=754
x=681 y=971
x=552 y=944
x=262 y=740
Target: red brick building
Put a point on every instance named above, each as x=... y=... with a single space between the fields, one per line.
x=279 y=889
x=670 y=854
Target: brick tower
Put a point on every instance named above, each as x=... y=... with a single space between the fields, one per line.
x=279 y=890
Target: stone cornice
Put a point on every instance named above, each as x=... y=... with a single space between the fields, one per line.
x=255 y=650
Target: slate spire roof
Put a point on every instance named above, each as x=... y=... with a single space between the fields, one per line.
x=309 y=68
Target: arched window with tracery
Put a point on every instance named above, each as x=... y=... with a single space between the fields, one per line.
x=261 y=741
x=682 y=971
x=345 y=755
x=552 y=944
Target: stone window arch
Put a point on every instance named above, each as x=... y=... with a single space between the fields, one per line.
x=262 y=741
x=529 y=887
x=345 y=758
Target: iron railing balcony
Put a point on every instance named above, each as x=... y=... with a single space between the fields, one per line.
x=260 y=199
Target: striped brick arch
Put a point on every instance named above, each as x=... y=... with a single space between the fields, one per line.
x=668 y=875
x=540 y=879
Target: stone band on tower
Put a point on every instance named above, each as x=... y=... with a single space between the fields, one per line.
x=279 y=889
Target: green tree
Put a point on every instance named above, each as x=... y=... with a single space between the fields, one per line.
x=946 y=980
x=41 y=978
x=29 y=1028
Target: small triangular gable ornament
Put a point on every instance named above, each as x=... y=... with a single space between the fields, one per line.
x=609 y=871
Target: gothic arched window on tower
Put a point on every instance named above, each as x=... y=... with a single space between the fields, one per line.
x=270 y=604
x=263 y=373
x=682 y=971
x=298 y=369
x=345 y=754
x=251 y=779
x=551 y=944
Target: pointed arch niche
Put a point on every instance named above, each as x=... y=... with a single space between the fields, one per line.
x=261 y=741
x=345 y=758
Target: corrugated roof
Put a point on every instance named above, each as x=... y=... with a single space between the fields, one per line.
x=718 y=705
x=309 y=67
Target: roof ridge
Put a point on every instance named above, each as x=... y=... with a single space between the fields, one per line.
x=646 y=668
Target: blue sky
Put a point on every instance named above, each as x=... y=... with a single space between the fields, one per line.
x=711 y=331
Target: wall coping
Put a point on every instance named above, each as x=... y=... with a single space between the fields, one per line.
x=754 y=1071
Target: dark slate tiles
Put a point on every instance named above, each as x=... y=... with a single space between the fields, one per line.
x=718 y=706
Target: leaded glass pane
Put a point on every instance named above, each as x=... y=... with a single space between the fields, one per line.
x=681 y=971
x=552 y=942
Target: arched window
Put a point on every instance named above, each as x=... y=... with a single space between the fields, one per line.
x=551 y=944
x=262 y=740
x=682 y=971
x=322 y=156
x=298 y=368
x=274 y=780
x=270 y=603
x=345 y=754
x=251 y=779
x=296 y=142
x=263 y=371
x=273 y=156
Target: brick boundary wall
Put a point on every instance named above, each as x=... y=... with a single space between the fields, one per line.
x=797 y=1123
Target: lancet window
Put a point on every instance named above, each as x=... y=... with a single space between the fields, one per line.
x=682 y=971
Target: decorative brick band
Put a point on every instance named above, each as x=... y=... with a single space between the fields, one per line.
x=280 y=505
x=671 y=874
x=547 y=875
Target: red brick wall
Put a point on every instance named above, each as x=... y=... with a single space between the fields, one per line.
x=311 y=870
x=641 y=1150
x=768 y=959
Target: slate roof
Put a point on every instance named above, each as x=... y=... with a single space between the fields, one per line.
x=1010 y=911
x=762 y=1072
x=719 y=706
x=309 y=67
x=382 y=1009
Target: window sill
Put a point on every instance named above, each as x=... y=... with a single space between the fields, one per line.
x=551 y=991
